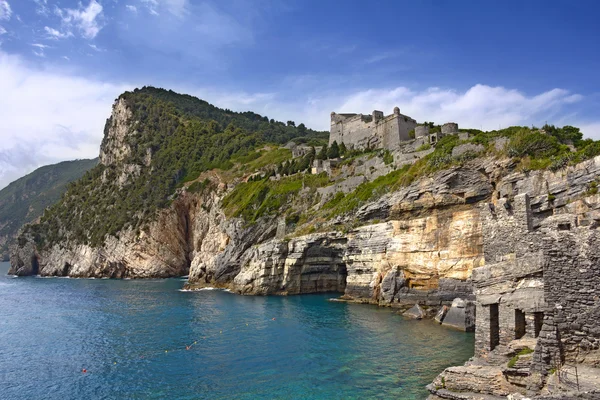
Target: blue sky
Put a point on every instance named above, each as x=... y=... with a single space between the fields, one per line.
x=481 y=64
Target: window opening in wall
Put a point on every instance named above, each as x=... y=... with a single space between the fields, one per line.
x=538 y=321
x=519 y=324
x=494 y=327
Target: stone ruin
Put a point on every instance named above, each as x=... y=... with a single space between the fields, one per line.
x=375 y=131
x=538 y=291
x=360 y=131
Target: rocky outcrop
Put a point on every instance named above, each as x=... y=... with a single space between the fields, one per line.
x=536 y=303
x=115 y=147
x=470 y=382
x=308 y=264
x=166 y=247
x=24 y=259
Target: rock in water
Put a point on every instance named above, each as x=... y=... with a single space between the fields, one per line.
x=439 y=318
x=416 y=312
x=23 y=259
x=461 y=315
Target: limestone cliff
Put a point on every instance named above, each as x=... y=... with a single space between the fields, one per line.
x=137 y=216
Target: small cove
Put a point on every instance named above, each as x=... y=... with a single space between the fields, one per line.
x=131 y=337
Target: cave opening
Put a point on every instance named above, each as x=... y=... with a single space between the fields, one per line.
x=35 y=265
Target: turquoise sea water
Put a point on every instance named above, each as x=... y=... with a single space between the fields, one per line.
x=130 y=336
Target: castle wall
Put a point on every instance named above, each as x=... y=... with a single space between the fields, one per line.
x=361 y=131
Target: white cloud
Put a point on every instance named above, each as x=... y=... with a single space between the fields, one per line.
x=42 y=7
x=151 y=5
x=70 y=113
x=2 y=30
x=590 y=129
x=5 y=11
x=131 y=8
x=179 y=8
x=39 y=49
x=96 y=48
x=85 y=20
x=481 y=106
x=55 y=34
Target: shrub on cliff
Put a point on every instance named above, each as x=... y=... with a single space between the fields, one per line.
x=533 y=144
x=171 y=139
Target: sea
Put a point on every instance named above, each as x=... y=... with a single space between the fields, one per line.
x=64 y=338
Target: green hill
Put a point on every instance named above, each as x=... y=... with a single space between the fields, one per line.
x=171 y=139
x=25 y=199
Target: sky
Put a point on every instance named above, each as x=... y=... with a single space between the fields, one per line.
x=484 y=65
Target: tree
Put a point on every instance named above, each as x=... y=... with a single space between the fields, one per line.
x=334 y=150
x=291 y=123
x=343 y=149
x=323 y=153
x=302 y=129
x=566 y=134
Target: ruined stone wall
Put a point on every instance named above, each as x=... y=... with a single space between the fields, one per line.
x=571 y=331
x=511 y=281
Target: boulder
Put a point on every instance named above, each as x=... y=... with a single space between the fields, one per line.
x=461 y=315
x=416 y=312
x=439 y=317
x=391 y=283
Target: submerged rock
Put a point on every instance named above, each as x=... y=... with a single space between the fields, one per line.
x=416 y=312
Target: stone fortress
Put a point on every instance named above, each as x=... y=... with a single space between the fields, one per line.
x=375 y=131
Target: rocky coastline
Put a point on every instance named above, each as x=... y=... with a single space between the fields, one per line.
x=483 y=246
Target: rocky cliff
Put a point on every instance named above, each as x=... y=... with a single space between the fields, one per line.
x=24 y=200
x=418 y=243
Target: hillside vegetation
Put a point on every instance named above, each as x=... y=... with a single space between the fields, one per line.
x=25 y=199
x=184 y=136
x=175 y=139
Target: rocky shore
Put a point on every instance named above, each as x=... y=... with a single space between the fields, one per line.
x=509 y=252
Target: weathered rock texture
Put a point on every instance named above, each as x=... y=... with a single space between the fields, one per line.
x=539 y=284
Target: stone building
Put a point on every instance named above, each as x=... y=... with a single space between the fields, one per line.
x=371 y=131
x=510 y=287
x=540 y=282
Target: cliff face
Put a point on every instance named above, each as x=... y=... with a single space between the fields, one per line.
x=24 y=200
x=419 y=243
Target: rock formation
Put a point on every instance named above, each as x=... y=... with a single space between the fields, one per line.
x=515 y=248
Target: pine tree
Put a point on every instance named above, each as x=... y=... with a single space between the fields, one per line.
x=334 y=150
x=323 y=153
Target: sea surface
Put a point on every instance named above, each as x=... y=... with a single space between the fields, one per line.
x=130 y=337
